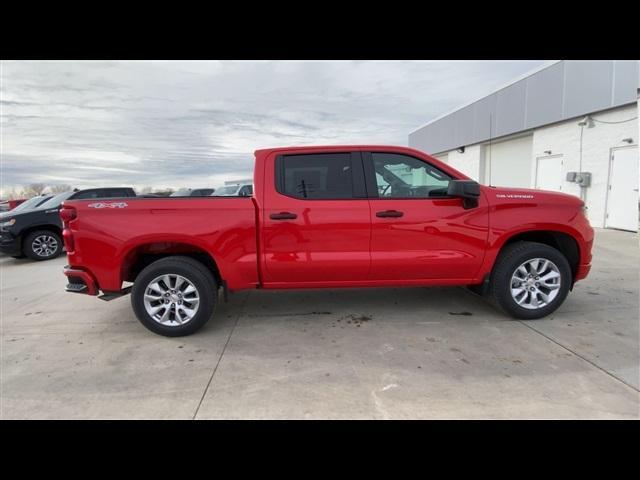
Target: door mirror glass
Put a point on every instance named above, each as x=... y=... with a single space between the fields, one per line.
x=468 y=190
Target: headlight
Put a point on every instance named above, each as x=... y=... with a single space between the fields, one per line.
x=8 y=223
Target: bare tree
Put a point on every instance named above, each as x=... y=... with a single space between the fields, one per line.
x=12 y=195
x=63 y=187
x=35 y=189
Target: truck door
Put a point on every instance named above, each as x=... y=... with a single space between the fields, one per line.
x=418 y=232
x=316 y=219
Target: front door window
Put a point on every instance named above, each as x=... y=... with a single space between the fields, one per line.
x=401 y=176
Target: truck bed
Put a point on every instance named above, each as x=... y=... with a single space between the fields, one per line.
x=114 y=233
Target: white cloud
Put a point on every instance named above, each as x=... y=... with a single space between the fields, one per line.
x=197 y=123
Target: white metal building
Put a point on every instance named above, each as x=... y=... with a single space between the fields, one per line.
x=568 y=116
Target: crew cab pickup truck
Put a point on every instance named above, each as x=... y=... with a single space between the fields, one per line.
x=329 y=217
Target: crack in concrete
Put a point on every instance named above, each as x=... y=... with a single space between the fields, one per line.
x=578 y=355
x=215 y=369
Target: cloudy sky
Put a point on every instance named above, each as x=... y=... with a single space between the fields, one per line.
x=196 y=124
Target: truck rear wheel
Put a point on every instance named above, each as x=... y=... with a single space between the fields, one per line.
x=174 y=296
x=530 y=280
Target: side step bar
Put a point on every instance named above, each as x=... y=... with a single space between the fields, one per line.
x=76 y=287
x=79 y=281
x=108 y=296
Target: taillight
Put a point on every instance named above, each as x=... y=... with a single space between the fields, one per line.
x=67 y=214
x=69 y=243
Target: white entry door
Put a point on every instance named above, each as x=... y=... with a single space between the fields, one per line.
x=549 y=173
x=622 y=199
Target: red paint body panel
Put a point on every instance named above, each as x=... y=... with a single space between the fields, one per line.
x=328 y=241
x=434 y=239
x=224 y=228
x=515 y=211
x=331 y=243
x=86 y=277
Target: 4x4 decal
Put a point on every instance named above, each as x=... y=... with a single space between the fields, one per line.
x=108 y=205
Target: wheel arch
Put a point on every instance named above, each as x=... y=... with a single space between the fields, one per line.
x=142 y=255
x=562 y=241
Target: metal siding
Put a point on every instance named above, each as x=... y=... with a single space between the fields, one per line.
x=544 y=96
x=587 y=87
x=416 y=139
x=510 y=108
x=625 y=79
x=561 y=91
x=464 y=126
x=446 y=133
x=482 y=109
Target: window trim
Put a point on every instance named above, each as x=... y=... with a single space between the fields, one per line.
x=358 y=183
x=372 y=184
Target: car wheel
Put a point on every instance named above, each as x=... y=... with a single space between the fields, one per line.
x=530 y=280
x=174 y=296
x=42 y=245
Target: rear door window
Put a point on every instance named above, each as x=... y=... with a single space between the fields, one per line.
x=104 y=193
x=320 y=176
x=202 y=192
x=85 y=195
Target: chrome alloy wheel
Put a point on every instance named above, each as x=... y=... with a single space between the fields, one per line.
x=535 y=283
x=171 y=300
x=44 y=245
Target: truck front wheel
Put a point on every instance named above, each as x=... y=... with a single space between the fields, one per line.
x=174 y=296
x=530 y=280
x=42 y=245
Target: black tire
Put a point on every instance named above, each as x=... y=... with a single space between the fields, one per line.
x=508 y=261
x=28 y=244
x=192 y=270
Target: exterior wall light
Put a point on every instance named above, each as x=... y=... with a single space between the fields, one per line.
x=586 y=122
x=461 y=149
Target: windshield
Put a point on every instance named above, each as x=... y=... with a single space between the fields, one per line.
x=31 y=203
x=183 y=192
x=54 y=202
x=231 y=190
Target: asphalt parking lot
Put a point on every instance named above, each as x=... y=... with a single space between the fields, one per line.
x=358 y=353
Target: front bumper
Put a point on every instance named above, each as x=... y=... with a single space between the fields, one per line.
x=80 y=281
x=9 y=244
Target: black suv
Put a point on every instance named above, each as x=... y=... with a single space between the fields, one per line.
x=37 y=232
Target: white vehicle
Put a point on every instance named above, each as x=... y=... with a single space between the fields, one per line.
x=239 y=190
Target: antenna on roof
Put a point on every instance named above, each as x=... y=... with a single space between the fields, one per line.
x=490 y=138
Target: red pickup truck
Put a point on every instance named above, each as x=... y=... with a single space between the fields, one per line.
x=329 y=217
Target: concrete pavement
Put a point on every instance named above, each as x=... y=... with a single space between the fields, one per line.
x=358 y=353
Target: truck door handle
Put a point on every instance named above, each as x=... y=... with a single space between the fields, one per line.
x=389 y=213
x=283 y=216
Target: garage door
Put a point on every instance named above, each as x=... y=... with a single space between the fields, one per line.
x=622 y=198
x=508 y=164
x=549 y=173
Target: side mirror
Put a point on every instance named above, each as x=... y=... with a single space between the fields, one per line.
x=468 y=190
